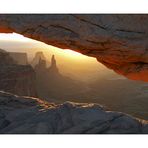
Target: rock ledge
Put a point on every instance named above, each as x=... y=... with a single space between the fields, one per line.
x=34 y=116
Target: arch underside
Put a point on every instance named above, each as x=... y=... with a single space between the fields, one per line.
x=120 y=42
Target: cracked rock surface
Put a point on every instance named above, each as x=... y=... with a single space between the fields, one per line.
x=32 y=115
x=118 y=41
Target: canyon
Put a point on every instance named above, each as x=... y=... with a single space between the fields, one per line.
x=117 y=41
x=14 y=78
x=30 y=115
x=51 y=84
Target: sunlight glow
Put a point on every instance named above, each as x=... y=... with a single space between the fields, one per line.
x=73 y=53
x=13 y=37
x=40 y=45
x=71 y=63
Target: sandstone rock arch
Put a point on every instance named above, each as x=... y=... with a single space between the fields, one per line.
x=118 y=41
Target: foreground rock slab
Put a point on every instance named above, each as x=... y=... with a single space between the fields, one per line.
x=26 y=115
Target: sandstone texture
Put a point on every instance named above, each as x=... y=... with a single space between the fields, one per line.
x=19 y=58
x=18 y=79
x=5 y=59
x=34 y=116
x=14 y=78
x=118 y=41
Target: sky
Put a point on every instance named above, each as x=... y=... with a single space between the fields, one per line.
x=70 y=63
x=16 y=39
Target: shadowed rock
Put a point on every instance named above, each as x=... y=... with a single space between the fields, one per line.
x=32 y=115
x=38 y=57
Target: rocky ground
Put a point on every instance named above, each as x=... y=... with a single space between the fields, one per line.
x=34 y=116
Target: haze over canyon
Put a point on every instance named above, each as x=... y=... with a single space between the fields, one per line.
x=45 y=89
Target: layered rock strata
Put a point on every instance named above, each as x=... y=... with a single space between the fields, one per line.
x=14 y=78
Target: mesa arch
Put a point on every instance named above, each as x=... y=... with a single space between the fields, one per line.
x=120 y=42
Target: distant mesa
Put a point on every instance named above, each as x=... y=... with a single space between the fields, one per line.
x=2 y=51
x=53 y=67
x=38 y=56
x=13 y=57
x=5 y=58
x=16 y=78
x=20 y=58
x=41 y=65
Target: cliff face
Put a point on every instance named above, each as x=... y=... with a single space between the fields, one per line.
x=5 y=59
x=38 y=56
x=20 y=58
x=118 y=41
x=17 y=79
x=32 y=115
